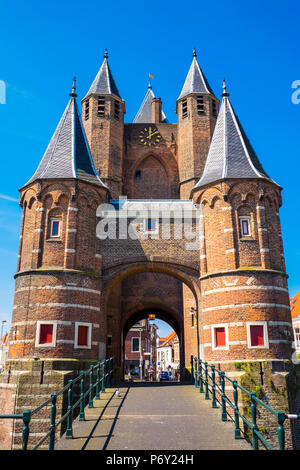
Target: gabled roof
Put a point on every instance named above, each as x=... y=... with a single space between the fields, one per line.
x=195 y=81
x=295 y=305
x=104 y=83
x=167 y=340
x=68 y=154
x=144 y=114
x=230 y=154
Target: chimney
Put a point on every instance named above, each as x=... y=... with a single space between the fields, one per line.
x=156 y=110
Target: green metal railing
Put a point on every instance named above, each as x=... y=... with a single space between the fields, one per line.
x=204 y=377
x=99 y=376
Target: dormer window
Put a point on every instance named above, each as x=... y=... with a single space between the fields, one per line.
x=200 y=105
x=117 y=110
x=87 y=110
x=214 y=108
x=101 y=106
x=184 y=109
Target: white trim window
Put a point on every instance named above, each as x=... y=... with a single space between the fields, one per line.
x=245 y=226
x=83 y=335
x=257 y=335
x=135 y=344
x=297 y=335
x=150 y=225
x=55 y=227
x=45 y=334
x=219 y=336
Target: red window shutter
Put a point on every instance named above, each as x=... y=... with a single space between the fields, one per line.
x=257 y=335
x=82 y=335
x=220 y=337
x=46 y=334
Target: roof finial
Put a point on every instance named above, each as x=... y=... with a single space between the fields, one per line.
x=194 y=52
x=106 y=54
x=224 y=89
x=150 y=76
x=73 y=94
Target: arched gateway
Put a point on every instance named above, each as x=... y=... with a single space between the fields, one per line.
x=207 y=256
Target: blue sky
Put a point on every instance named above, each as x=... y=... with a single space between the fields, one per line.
x=255 y=45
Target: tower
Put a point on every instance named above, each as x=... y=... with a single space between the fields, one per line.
x=103 y=120
x=56 y=306
x=245 y=318
x=197 y=110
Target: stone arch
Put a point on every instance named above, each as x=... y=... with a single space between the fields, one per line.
x=154 y=179
x=162 y=313
x=112 y=286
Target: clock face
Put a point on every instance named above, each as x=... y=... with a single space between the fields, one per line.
x=149 y=136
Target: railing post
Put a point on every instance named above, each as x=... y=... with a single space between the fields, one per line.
x=98 y=381
x=196 y=371
x=206 y=382
x=108 y=373
x=237 y=431
x=112 y=372
x=52 y=422
x=25 y=431
x=280 y=430
x=224 y=414
x=192 y=369
x=200 y=377
x=69 y=432
x=103 y=377
x=213 y=395
x=91 y=404
x=82 y=398
x=254 y=425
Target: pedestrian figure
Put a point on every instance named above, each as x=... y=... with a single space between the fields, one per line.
x=151 y=374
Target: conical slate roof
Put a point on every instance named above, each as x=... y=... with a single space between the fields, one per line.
x=231 y=154
x=68 y=154
x=195 y=81
x=144 y=114
x=104 y=83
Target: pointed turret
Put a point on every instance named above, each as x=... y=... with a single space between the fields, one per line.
x=197 y=111
x=145 y=113
x=195 y=82
x=104 y=83
x=231 y=154
x=103 y=118
x=68 y=155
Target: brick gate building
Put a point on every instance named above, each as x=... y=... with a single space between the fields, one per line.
x=77 y=295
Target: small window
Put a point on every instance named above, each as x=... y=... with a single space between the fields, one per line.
x=138 y=174
x=101 y=106
x=257 y=335
x=45 y=334
x=55 y=228
x=87 y=110
x=109 y=340
x=184 y=109
x=219 y=335
x=150 y=225
x=117 y=110
x=135 y=344
x=214 y=108
x=220 y=339
x=245 y=226
x=83 y=335
x=200 y=105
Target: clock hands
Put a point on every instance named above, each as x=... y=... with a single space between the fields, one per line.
x=151 y=134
